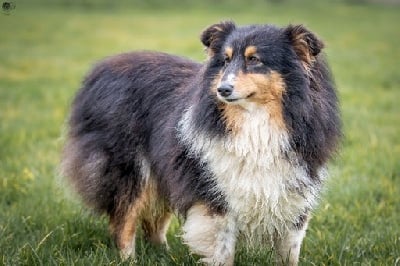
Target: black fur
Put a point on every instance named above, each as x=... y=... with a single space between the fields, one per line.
x=128 y=108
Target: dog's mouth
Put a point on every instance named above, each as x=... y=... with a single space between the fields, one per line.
x=235 y=99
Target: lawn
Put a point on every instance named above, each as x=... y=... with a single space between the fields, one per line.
x=45 y=50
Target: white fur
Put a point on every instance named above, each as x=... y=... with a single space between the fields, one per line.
x=257 y=172
x=230 y=78
x=145 y=168
x=129 y=250
x=209 y=235
x=288 y=246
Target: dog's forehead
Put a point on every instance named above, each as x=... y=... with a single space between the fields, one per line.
x=254 y=35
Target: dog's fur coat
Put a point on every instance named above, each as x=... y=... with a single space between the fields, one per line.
x=237 y=146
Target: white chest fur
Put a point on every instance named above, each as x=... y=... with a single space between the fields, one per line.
x=264 y=184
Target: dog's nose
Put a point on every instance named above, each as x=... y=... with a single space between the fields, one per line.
x=225 y=89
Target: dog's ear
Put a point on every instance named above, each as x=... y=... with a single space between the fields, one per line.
x=305 y=43
x=214 y=36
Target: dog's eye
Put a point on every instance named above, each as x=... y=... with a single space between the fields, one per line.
x=253 y=60
x=227 y=60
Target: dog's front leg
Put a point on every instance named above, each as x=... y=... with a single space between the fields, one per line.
x=210 y=235
x=288 y=244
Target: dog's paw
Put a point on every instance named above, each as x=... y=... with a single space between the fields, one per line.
x=127 y=253
x=214 y=262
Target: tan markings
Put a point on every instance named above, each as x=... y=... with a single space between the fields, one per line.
x=229 y=52
x=302 y=50
x=209 y=53
x=147 y=208
x=156 y=229
x=233 y=116
x=250 y=51
x=266 y=90
x=231 y=113
x=123 y=226
x=156 y=216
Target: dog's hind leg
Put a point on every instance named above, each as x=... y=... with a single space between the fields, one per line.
x=156 y=216
x=156 y=227
x=123 y=224
x=210 y=235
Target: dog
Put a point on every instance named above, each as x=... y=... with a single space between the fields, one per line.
x=237 y=147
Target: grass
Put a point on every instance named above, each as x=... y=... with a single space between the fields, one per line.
x=45 y=50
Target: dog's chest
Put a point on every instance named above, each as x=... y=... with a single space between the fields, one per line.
x=264 y=184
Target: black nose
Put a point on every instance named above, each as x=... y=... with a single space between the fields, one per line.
x=225 y=89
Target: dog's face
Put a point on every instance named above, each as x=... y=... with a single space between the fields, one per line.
x=251 y=61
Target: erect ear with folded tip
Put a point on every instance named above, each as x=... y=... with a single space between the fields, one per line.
x=305 y=43
x=214 y=36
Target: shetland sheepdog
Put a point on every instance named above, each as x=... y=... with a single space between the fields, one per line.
x=237 y=147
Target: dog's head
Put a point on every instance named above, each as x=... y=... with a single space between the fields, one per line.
x=282 y=71
x=251 y=62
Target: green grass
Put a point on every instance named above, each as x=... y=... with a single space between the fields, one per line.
x=46 y=49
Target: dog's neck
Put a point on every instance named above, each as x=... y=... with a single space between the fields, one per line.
x=252 y=133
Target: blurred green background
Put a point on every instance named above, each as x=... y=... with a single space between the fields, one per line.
x=46 y=47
